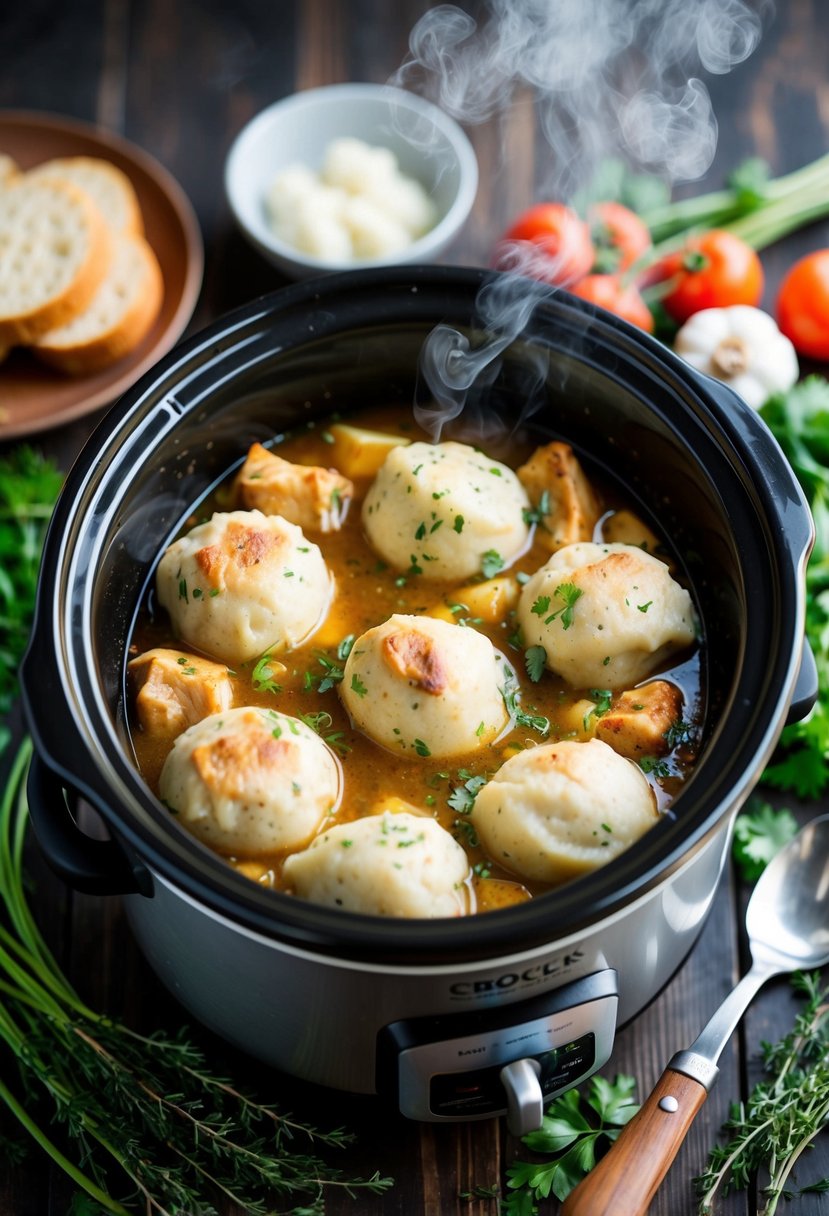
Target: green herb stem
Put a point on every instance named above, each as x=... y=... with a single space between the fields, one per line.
x=720 y=208
x=78 y=1177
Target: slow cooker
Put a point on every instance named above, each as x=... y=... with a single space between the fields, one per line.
x=451 y=1019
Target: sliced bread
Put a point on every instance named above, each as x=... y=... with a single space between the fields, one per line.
x=54 y=252
x=120 y=314
x=9 y=169
x=111 y=190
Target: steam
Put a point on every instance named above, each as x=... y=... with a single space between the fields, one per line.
x=609 y=78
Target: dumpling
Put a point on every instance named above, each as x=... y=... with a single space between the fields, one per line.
x=393 y=864
x=606 y=615
x=244 y=583
x=559 y=810
x=445 y=510
x=251 y=781
x=425 y=687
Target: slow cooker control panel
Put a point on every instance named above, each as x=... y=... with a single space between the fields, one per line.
x=505 y=1059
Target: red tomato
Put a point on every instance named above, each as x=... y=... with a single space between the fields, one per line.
x=607 y=291
x=619 y=235
x=547 y=242
x=803 y=305
x=712 y=270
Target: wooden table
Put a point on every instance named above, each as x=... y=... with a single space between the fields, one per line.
x=180 y=79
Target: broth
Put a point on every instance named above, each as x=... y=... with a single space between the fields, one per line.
x=368 y=591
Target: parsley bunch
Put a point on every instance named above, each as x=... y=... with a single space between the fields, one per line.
x=29 y=486
x=799 y=420
x=145 y=1113
x=575 y=1129
x=784 y=1113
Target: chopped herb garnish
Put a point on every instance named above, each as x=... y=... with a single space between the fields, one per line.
x=535 y=660
x=535 y=515
x=569 y=593
x=678 y=733
x=262 y=676
x=491 y=563
x=421 y=748
x=462 y=797
x=511 y=692
x=652 y=764
x=358 y=686
x=644 y=607
x=458 y=524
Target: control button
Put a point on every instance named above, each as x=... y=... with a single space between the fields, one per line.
x=669 y=1104
x=525 y=1102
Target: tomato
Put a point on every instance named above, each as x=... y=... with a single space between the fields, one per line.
x=712 y=270
x=548 y=242
x=619 y=235
x=608 y=292
x=803 y=305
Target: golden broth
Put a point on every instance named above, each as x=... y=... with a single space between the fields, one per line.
x=367 y=592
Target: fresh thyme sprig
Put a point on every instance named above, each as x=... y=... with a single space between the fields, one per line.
x=144 y=1111
x=783 y=1115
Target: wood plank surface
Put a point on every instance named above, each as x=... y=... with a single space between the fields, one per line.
x=180 y=79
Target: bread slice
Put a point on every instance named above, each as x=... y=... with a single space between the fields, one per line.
x=121 y=313
x=9 y=169
x=54 y=252
x=110 y=190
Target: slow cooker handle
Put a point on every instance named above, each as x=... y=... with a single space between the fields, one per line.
x=96 y=867
x=806 y=687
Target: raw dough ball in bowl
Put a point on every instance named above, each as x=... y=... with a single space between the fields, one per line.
x=244 y=583
x=556 y=811
x=251 y=781
x=425 y=687
x=438 y=509
x=606 y=615
x=384 y=865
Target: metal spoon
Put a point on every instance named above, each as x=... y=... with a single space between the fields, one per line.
x=787 y=920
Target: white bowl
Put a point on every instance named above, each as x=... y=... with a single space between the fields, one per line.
x=428 y=144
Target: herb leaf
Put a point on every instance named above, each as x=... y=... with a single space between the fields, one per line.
x=571 y=1130
x=29 y=486
x=535 y=661
x=141 y=1112
x=771 y=1132
x=760 y=832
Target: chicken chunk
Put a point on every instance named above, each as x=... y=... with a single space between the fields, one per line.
x=639 y=719
x=623 y=527
x=176 y=690
x=314 y=498
x=561 y=493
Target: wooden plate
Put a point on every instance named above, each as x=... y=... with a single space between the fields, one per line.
x=34 y=397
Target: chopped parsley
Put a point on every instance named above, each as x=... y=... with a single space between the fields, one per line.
x=462 y=798
x=262 y=676
x=319 y=723
x=536 y=514
x=652 y=764
x=421 y=748
x=678 y=733
x=491 y=563
x=358 y=686
x=535 y=660
x=511 y=692
x=569 y=593
x=458 y=524
x=333 y=675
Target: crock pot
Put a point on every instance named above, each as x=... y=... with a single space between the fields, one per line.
x=452 y=1019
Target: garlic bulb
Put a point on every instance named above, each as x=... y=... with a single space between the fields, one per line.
x=741 y=346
